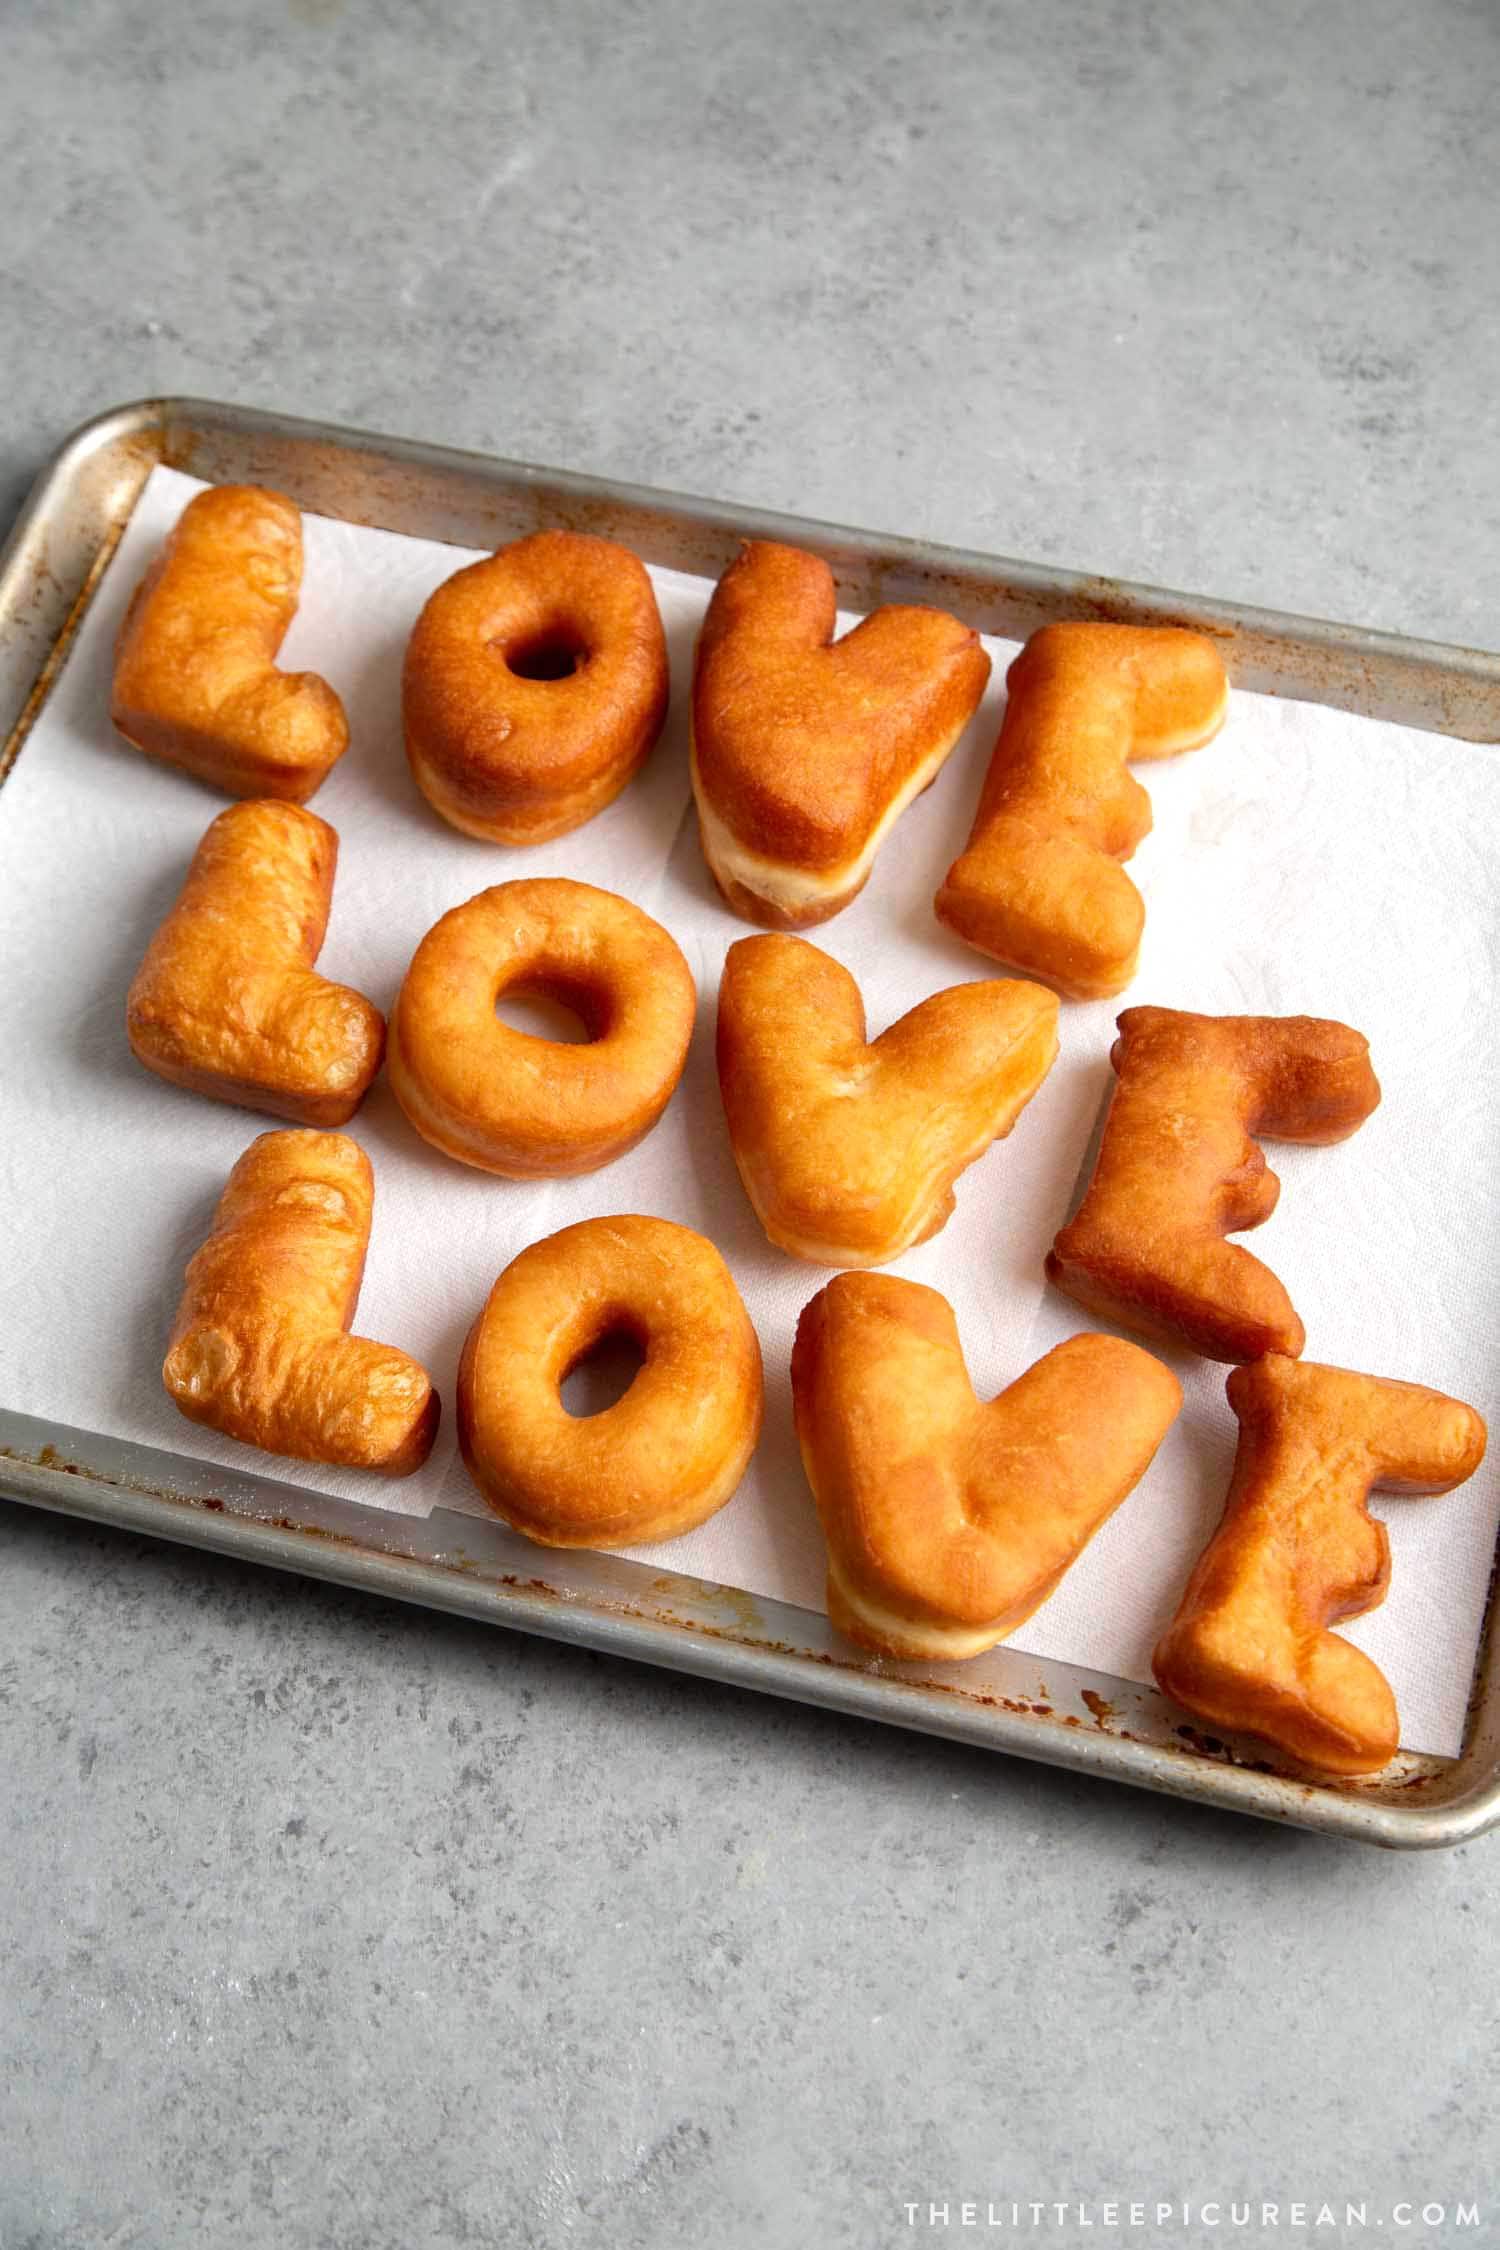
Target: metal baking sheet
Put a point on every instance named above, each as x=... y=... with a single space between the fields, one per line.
x=1008 y=1700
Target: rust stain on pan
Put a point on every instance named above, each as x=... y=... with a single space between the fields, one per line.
x=141 y=450
x=10 y=749
x=1021 y=1705
x=47 y=1457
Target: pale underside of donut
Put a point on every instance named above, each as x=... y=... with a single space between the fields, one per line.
x=806 y=749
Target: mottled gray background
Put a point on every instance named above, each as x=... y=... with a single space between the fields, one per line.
x=326 y=1924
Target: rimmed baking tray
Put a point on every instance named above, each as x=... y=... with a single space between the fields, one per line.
x=1009 y=1700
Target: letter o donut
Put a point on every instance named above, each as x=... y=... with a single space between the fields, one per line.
x=535 y=685
x=529 y=1108
x=664 y=1457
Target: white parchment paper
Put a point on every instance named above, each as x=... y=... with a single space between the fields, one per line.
x=1306 y=862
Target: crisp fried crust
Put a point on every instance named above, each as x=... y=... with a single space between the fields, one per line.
x=260 y=1349
x=226 y=1001
x=1249 y=1648
x=849 y=1151
x=535 y=685
x=664 y=1457
x=806 y=749
x=1039 y=883
x=1179 y=1168
x=195 y=665
x=948 y=1520
x=525 y=1107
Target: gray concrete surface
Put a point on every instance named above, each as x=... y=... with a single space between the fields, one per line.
x=323 y=1924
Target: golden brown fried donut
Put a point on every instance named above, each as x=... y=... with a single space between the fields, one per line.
x=525 y=1107
x=664 y=1457
x=806 y=749
x=1250 y=1648
x=195 y=664
x=261 y=1351
x=1179 y=1168
x=949 y=1520
x=849 y=1151
x=1039 y=884
x=226 y=1001
x=535 y=685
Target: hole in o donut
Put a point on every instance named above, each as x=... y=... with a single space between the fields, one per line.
x=545 y=1015
x=558 y=1011
x=552 y=655
x=603 y=1374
